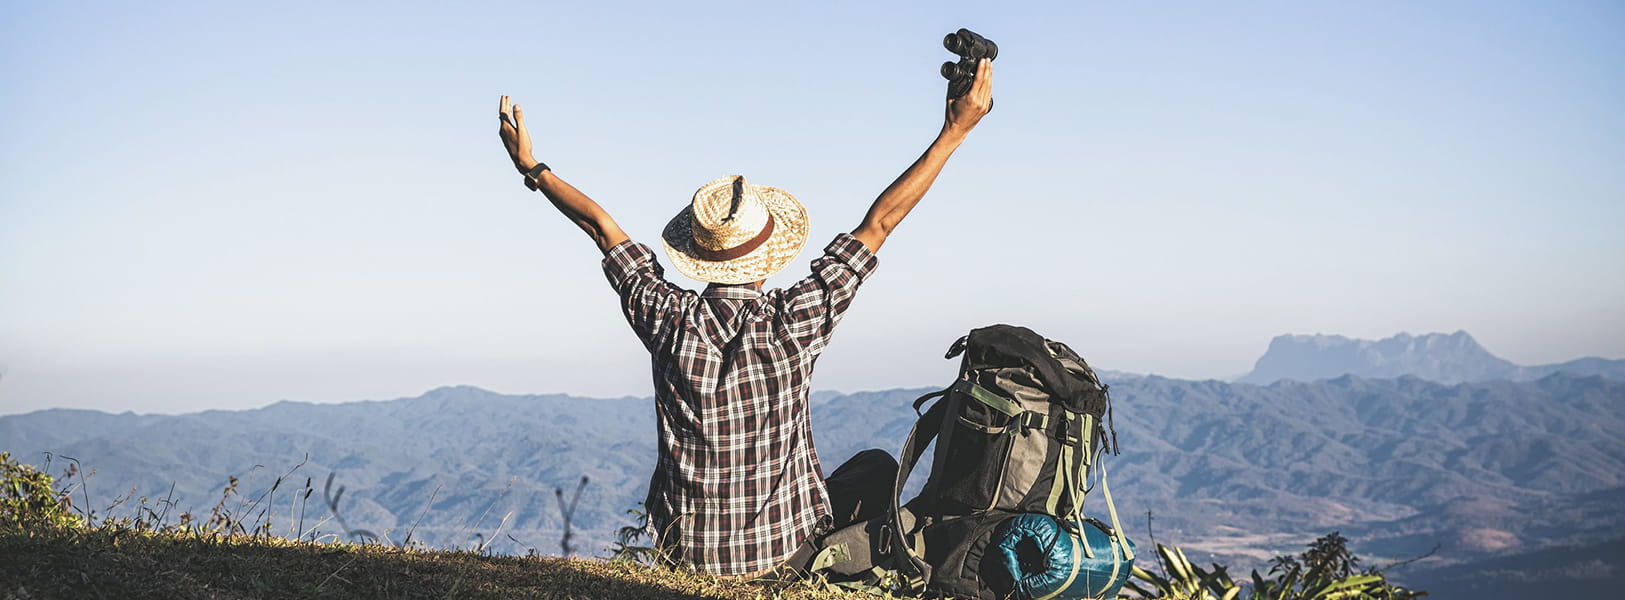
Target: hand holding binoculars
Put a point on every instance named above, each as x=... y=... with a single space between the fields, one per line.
x=970 y=47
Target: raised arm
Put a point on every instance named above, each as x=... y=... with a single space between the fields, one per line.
x=900 y=197
x=576 y=206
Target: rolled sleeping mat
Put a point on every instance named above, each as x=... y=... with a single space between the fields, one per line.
x=1035 y=558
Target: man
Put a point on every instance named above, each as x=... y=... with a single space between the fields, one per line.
x=737 y=487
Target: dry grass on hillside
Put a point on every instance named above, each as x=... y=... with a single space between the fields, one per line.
x=50 y=563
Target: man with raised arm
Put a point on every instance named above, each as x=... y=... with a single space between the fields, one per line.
x=737 y=487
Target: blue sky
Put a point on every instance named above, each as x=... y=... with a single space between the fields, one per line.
x=213 y=205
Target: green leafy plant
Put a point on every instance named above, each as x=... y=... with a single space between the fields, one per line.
x=1183 y=579
x=626 y=540
x=1328 y=570
x=30 y=497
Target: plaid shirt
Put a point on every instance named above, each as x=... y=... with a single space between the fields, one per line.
x=738 y=485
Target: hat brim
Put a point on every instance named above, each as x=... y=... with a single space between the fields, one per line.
x=783 y=246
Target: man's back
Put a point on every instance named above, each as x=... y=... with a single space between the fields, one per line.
x=738 y=485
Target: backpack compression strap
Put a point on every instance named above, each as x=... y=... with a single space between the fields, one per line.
x=1111 y=508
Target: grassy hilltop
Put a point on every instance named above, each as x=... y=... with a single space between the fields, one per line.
x=122 y=563
x=51 y=549
x=48 y=549
x=51 y=561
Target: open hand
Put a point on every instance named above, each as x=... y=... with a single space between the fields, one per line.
x=515 y=137
x=965 y=111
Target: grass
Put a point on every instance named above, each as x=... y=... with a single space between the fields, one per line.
x=50 y=548
x=108 y=562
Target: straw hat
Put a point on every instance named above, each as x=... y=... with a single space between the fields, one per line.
x=736 y=232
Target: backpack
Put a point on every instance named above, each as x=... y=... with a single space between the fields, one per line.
x=1017 y=434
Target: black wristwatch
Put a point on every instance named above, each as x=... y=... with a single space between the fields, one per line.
x=534 y=175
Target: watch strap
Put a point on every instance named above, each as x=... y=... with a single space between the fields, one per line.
x=533 y=177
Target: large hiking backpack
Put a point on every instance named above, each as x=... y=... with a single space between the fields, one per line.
x=1018 y=435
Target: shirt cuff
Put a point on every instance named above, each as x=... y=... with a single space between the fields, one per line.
x=626 y=259
x=854 y=254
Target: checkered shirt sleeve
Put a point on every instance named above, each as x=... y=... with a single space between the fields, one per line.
x=647 y=299
x=737 y=484
x=813 y=306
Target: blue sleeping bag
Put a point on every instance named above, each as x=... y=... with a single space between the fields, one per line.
x=1040 y=560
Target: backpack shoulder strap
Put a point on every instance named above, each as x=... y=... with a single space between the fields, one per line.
x=911 y=564
x=891 y=540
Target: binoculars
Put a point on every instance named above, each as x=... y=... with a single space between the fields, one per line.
x=970 y=47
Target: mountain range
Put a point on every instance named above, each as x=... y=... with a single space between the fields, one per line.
x=1446 y=358
x=1234 y=473
x=1492 y=474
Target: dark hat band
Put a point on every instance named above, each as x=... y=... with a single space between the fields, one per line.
x=736 y=251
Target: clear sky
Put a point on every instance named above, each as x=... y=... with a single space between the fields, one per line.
x=222 y=205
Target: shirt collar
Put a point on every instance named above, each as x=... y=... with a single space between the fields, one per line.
x=732 y=292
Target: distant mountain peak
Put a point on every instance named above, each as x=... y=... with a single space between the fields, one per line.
x=1442 y=357
x=1460 y=336
x=453 y=393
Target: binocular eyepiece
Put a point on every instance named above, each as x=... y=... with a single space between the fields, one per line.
x=970 y=47
x=968 y=44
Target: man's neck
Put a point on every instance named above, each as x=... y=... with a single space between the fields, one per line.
x=733 y=290
x=754 y=285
